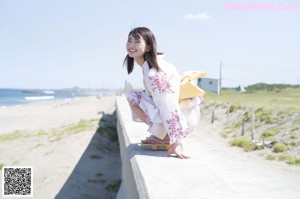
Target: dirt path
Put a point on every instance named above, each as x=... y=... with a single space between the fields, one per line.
x=210 y=133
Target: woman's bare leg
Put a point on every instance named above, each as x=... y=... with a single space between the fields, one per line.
x=138 y=112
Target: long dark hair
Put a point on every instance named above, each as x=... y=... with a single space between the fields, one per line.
x=151 y=56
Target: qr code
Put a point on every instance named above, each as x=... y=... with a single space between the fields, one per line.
x=17 y=181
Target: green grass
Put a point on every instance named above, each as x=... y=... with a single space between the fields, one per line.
x=287 y=99
x=234 y=107
x=226 y=132
x=84 y=125
x=277 y=117
x=38 y=145
x=280 y=147
x=54 y=134
x=293 y=160
x=271 y=157
x=266 y=115
x=270 y=132
x=295 y=128
x=243 y=142
x=284 y=157
x=113 y=186
x=294 y=136
x=297 y=120
x=111 y=131
x=14 y=135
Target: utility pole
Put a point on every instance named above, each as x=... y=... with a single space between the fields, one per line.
x=220 y=79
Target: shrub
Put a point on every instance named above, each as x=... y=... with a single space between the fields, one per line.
x=243 y=142
x=280 y=147
x=234 y=107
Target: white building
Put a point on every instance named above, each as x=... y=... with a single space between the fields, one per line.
x=209 y=84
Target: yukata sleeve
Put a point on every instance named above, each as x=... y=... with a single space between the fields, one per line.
x=165 y=93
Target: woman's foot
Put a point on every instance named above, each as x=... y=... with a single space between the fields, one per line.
x=176 y=148
x=154 y=140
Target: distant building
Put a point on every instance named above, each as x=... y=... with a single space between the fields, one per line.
x=209 y=84
x=240 y=89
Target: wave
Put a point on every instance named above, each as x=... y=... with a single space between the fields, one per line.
x=34 y=98
x=48 y=92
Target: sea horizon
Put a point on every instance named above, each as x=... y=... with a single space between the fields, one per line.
x=15 y=96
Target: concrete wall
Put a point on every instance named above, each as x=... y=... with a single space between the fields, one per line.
x=132 y=185
x=215 y=170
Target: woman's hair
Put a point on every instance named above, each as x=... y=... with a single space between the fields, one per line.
x=151 y=56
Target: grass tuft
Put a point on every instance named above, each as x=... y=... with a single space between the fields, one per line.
x=234 y=107
x=280 y=147
x=271 y=157
x=270 y=132
x=1 y=165
x=113 y=186
x=111 y=131
x=243 y=142
x=55 y=134
x=293 y=160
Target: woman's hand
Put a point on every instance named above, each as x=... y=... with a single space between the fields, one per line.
x=176 y=149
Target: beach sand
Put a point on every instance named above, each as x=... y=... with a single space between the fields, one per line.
x=71 y=145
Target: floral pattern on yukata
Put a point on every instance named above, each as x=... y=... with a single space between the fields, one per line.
x=160 y=83
x=164 y=114
x=174 y=125
x=134 y=98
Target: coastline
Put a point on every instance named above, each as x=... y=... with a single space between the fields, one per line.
x=50 y=114
x=60 y=139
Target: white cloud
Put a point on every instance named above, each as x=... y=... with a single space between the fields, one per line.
x=201 y=16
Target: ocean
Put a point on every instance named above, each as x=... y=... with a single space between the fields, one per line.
x=14 y=97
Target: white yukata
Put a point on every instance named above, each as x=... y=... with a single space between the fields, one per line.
x=160 y=102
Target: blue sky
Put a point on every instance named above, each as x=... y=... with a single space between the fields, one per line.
x=66 y=43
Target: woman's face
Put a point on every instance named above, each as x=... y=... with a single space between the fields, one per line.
x=136 y=47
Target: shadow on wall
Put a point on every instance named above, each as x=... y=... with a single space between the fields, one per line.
x=98 y=172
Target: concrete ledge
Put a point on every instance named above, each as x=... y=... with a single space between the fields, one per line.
x=133 y=185
x=214 y=171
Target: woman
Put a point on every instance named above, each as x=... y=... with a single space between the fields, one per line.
x=168 y=119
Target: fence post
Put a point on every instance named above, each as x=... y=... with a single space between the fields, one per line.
x=213 y=117
x=253 y=127
x=243 y=127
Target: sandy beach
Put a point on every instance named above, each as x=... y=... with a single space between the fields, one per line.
x=70 y=145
